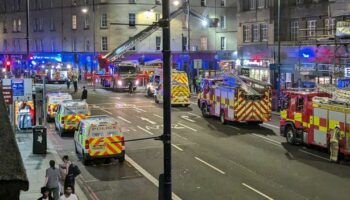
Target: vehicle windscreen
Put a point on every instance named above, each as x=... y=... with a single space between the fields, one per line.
x=126 y=69
x=73 y=110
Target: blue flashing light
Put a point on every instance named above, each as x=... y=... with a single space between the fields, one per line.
x=307 y=53
x=230 y=81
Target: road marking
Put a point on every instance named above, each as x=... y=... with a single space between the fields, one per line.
x=158 y=116
x=145 y=130
x=148 y=120
x=311 y=154
x=139 y=109
x=194 y=114
x=185 y=117
x=202 y=161
x=271 y=125
x=147 y=175
x=188 y=127
x=105 y=111
x=257 y=191
x=177 y=147
x=125 y=120
x=180 y=136
x=266 y=138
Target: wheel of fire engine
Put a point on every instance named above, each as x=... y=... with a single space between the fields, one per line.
x=121 y=159
x=222 y=117
x=149 y=93
x=204 y=111
x=156 y=99
x=290 y=135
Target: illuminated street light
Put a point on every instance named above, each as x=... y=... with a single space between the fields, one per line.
x=176 y=3
x=204 y=23
x=84 y=10
x=69 y=66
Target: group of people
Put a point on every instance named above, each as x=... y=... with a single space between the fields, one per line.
x=60 y=182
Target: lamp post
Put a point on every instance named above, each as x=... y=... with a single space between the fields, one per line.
x=279 y=52
x=27 y=33
x=85 y=11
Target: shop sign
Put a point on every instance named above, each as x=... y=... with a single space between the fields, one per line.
x=347 y=72
x=343 y=29
x=7 y=91
x=197 y=63
x=245 y=72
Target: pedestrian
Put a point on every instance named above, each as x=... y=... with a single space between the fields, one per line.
x=68 y=194
x=194 y=83
x=63 y=172
x=68 y=83
x=46 y=195
x=84 y=94
x=75 y=83
x=52 y=179
x=72 y=172
x=334 y=144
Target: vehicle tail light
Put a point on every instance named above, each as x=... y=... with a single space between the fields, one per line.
x=123 y=141
x=62 y=120
x=87 y=144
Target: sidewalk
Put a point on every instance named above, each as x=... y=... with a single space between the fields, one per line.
x=36 y=165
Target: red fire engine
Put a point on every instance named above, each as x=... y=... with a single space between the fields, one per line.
x=308 y=117
x=236 y=99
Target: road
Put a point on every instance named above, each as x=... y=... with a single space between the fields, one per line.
x=210 y=160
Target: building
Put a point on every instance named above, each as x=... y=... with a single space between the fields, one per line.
x=310 y=50
x=76 y=31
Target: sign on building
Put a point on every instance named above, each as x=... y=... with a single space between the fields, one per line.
x=7 y=91
x=347 y=72
x=343 y=29
x=197 y=63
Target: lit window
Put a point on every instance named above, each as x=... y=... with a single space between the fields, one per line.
x=19 y=25
x=74 y=22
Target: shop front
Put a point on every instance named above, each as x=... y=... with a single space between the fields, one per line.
x=258 y=70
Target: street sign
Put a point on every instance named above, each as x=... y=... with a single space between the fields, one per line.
x=18 y=87
x=22 y=89
x=7 y=91
x=197 y=63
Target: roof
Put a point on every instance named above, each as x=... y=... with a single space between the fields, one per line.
x=99 y=120
x=12 y=168
x=74 y=103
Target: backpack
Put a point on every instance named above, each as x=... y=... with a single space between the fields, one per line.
x=74 y=170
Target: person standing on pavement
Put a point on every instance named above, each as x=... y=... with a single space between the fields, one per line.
x=68 y=194
x=84 y=94
x=75 y=82
x=45 y=194
x=334 y=144
x=52 y=179
x=72 y=172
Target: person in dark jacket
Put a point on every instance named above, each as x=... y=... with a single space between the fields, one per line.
x=84 y=94
x=46 y=195
x=72 y=172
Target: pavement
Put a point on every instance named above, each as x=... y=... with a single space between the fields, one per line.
x=209 y=160
x=36 y=165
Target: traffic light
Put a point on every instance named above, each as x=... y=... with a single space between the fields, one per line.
x=8 y=65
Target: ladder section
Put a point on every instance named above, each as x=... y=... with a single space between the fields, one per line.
x=338 y=95
x=118 y=52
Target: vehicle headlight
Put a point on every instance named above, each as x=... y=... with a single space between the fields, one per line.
x=137 y=82
x=120 y=82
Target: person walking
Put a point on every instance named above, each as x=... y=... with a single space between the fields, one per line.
x=52 y=179
x=46 y=195
x=334 y=144
x=72 y=172
x=75 y=82
x=68 y=83
x=68 y=194
x=84 y=94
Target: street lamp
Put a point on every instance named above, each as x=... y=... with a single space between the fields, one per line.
x=176 y=2
x=84 y=10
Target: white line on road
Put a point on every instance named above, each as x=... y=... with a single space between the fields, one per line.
x=147 y=175
x=105 y=111
x=139 y=109
x=188 y=127
x=187 y=118
x=266 y=138
x=215 y=168
x=148 y=120
x=257 y=191
x=311 y=154
x=145 y=130
x=125 y=120
x=271 y=125
x=177 y=147
x=158 y=116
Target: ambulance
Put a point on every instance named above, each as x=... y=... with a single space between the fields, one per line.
x=69 y=114
x=180 y=90
x=53 y=101
x=99 y=137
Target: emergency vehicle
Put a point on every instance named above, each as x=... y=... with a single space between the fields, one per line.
x=235 y=99
x=309 y=117
x=69 y=114
x=153 y=84
x=53 y=101
x=180 y=90
x=99 y=137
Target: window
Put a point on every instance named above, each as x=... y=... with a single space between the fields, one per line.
x=87 y=45
x=132 y=19
x=203 y=3
x=74 y=22
x=74 y=44
x=247 y=37
x=223 y=43
x=255 y=33
x=300 y=105
x=223 y=22
x=132 y=1
x=330 y=26
x=294 y=30
x=14 y=26
x=158 y=43
x=252 y=4
x=264 y=32
x=104 y=20
x=52 y=24
x=19 y=25
x=204 y=43
x=157 y=17
x=86 y=22
x=36 y=24
x=311 y=27
x=5 y=45
x=298 y=2
x=261 y=4
x=41 y=24
x=223 y=3
x=18 y=5
x=184 y=43
x=104 y=43
x=134 y=47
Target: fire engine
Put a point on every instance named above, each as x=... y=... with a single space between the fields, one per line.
x=236 y=99
x=308 y=117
